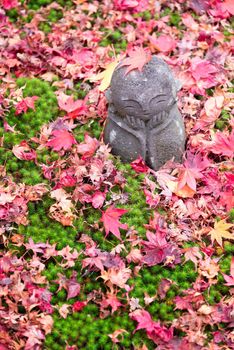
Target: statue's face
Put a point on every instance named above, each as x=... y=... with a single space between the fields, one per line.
x=144 y=95
x=142 y=104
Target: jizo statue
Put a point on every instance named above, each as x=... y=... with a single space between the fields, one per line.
x=143 y=117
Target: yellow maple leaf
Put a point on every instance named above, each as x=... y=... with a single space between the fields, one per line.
x=105 y=76
x=220 y=231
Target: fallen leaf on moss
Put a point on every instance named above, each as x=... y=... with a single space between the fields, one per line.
x=110 y=219
x=220 y=231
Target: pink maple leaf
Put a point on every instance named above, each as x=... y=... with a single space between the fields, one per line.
x=88 y=148
x=25 y=104
x=143 y=318
x=112 y=301
x=223 y=144
x=24 y=152
x=110 y=219
x=164 y=43
x=192 y=170
x=73 y=288
x=9 y=4
x=98 y=199
x=229 y=6
x=135 y=5
x=62 y=139
x=182 y=303
x=154 y=248
x=154 y=330
x=230 y=279
x=138 y=57
x=227 y=199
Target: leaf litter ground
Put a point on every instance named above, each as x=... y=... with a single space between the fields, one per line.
x=96 y=254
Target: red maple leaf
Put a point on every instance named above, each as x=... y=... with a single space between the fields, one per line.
x=139 y=165
x=78 y=306
x=62 y=139
x=25 y=104
x=73 y=108
x=110 y=219
x=137 y=59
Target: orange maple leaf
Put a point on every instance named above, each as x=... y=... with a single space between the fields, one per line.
x=220 y=231
x=137 y=59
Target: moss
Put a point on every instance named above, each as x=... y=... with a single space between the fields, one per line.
x=36 y=4
x=223 y=121
x=13 y=14
x=175 y=19
x=46 y=107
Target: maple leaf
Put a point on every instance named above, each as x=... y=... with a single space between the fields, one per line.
x=111 y=300
x=139 y=165
x=105 y=76
x=163 y=43
x=154 y=330
x=114 y=336
x=143 y=318
x=88 y=148
x=78 y=306
x=163 y=287
x=229 y=6
x=73 y=287
x=24 y=152
x=62 y=139
x=73 y=108
x=98 y=199
x=138 y=57
x=117 y=276
x=220 y=231
x=35 y=247
x=223 y=144
x=230 y=279
x=27 y=102
x=9 y=4
x=186 y=185
x=193 y=254
x=110 y=219
x=64 y=310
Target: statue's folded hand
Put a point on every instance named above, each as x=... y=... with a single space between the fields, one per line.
x=157 y=119
x=135 y=122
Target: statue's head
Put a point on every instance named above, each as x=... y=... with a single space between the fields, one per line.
x=143 y=94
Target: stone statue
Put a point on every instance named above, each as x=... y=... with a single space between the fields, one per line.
x=143 y=118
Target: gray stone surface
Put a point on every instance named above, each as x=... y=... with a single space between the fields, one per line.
x=143 y=118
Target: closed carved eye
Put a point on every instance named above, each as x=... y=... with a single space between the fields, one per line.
x=132 y=104
x=158 y=99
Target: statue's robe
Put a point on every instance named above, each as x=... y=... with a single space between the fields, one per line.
x=155 y=142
